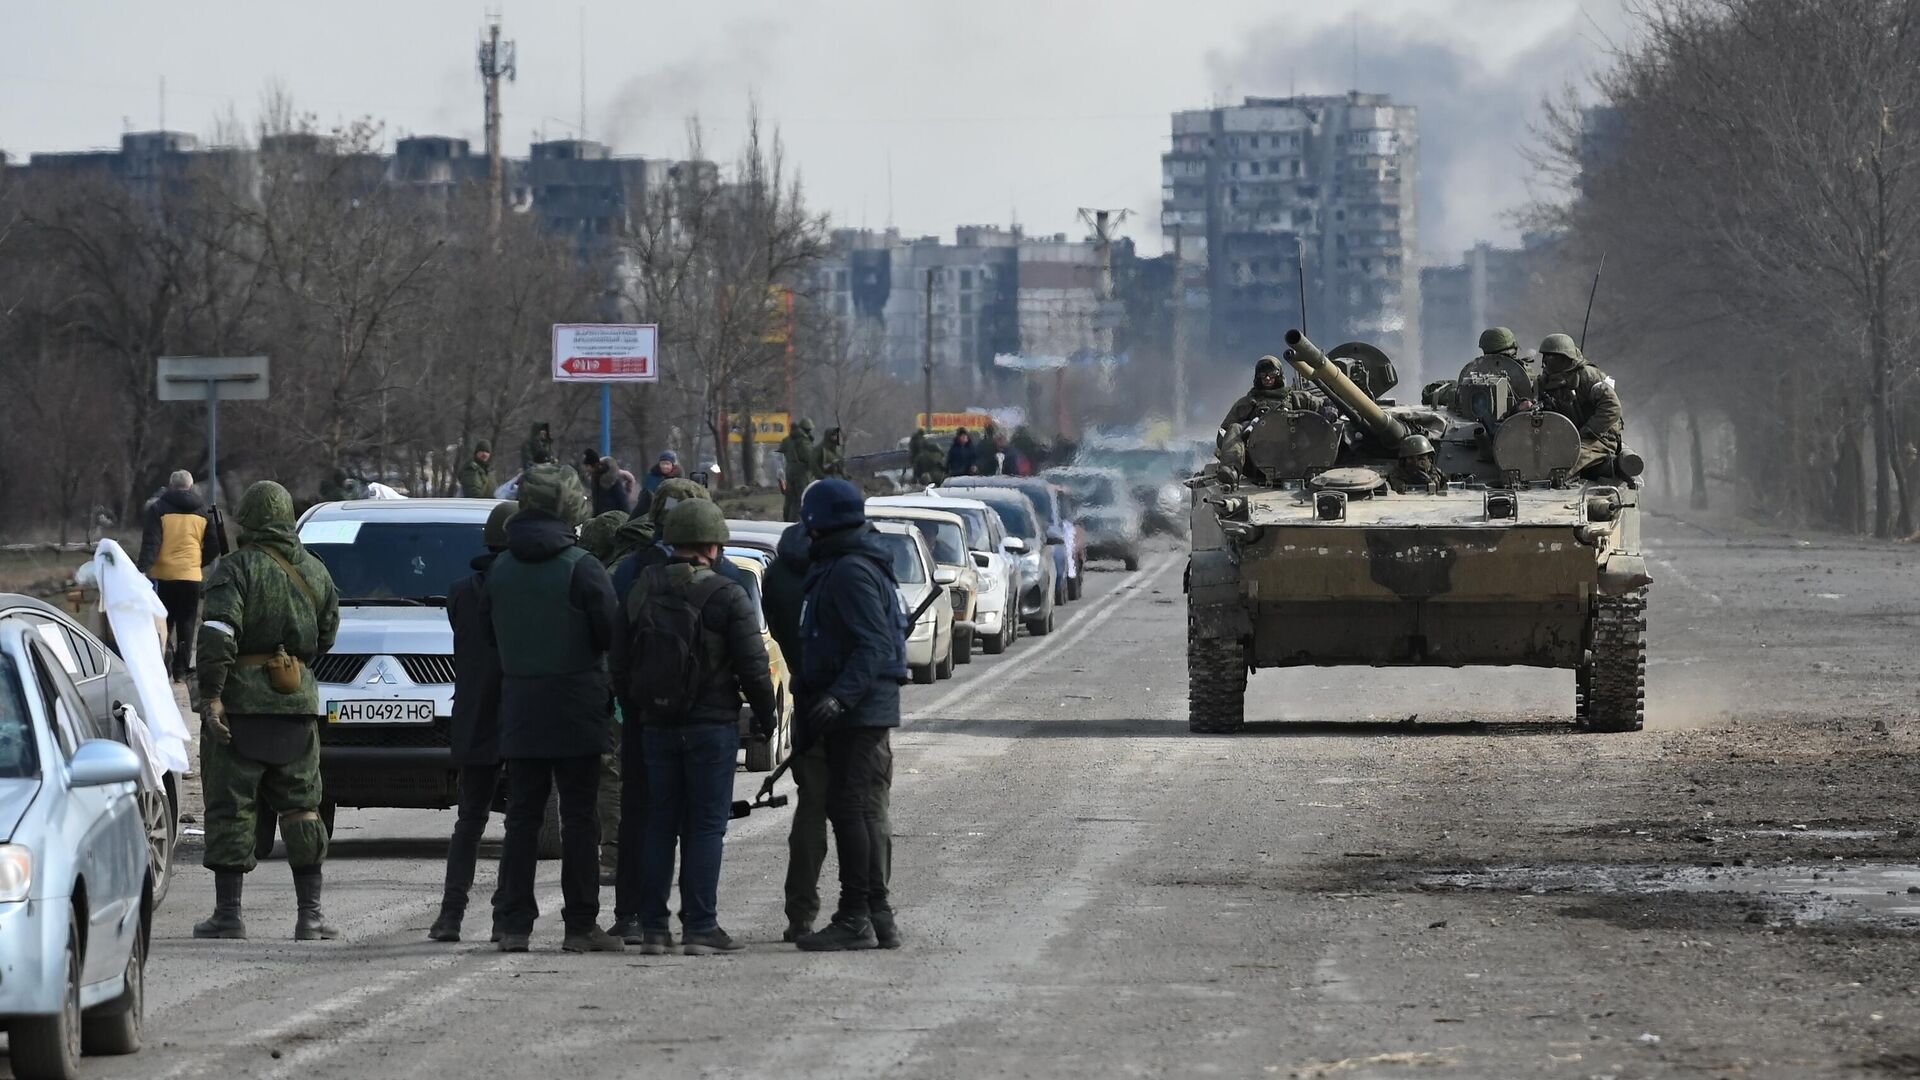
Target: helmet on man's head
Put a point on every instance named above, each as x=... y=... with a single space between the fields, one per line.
x=696 y=522
x=831 y=505
x=494 y=535
x=1497 y=339
x=554 y=489
x=1415 y=445
x=1560 y=345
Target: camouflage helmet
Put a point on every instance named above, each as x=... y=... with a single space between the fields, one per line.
x=1497 y=339
x=597 y=535
x=554 y=489
x=495 y=533
x=804 y=426
x=671 y=493
x=1560 y=345
x=695 y=522
x=264 y=508
x=1415 y=445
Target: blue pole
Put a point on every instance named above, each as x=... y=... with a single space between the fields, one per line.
x=606 y=419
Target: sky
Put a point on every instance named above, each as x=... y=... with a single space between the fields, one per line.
x=913 y=113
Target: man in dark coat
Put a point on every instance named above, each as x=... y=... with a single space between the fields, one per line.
x=853 y=659
x=476 y=726
x=538 y=449
x=476 y=476
x=551 y=615
x=963 y=457
x=690 y=751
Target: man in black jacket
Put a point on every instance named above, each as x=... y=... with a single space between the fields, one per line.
x=691 y=731
x=476 y=726
x=549 y=612
x=853 y=660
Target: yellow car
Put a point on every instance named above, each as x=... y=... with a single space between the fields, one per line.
x=765 y=756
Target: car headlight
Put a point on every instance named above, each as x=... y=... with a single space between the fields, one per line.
x=1030 y=562
x=16 y=873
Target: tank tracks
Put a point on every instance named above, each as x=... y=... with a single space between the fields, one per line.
x=1610 y=690
x=1216 y=686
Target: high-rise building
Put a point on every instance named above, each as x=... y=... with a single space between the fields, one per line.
x=1255 y=190
x=1489 y=286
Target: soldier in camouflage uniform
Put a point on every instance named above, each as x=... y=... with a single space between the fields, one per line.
x=830 y=457
x=798 y=451
x=476 y=476
x=1415 y=470
x=1585 y=395
x=1498 y=353
x=598 y=535
x=271 y=608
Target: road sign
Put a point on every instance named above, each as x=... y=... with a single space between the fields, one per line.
x=606 y=352
x=767 y=428
x=946 y=423
x=185 y=378
x=212 y=379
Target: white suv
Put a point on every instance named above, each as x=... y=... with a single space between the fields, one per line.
x=387 y=683
x=996 y=605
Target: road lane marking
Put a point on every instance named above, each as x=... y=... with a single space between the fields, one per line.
x=1082 y=624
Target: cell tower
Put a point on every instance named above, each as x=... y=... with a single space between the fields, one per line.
x=496 y=62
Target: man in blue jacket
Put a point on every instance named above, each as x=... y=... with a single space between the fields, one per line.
x=853 y=660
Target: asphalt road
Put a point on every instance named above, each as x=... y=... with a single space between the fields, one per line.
x=1390 y=873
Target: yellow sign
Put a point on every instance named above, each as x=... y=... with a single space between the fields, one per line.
x=946 y=423
x=767 y=428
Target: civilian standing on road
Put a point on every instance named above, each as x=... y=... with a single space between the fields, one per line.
x=963 y=457
x=550 y=613
x=476 y=727
x=614 y=488
x=476 y=476
x=691 y=649
x=176 y=545
x=853 y=661
x=271 y=609
x=783 y=594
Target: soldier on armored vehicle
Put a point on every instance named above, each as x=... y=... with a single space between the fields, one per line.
x=1269 y=392
x=1585 y=395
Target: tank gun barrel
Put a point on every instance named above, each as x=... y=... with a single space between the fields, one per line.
x=1313 y=364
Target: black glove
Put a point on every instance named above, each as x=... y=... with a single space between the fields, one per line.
x=762 y=727
x=824 y=712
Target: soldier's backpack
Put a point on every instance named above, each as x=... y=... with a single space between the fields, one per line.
x=674 y=653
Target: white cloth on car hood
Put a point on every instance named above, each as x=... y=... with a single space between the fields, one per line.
x=134 y=611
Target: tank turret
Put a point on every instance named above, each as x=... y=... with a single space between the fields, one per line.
x=1313 y=364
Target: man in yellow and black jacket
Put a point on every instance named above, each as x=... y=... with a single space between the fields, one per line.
x=175 y=544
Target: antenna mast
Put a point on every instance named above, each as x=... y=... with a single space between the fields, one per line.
x=496 y=62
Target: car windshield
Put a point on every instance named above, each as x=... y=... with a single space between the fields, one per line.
x=377 y=562
x=906 y=558
x=943 y=539
x=17 y=757
x=1090 y=489
x=977 y=538
x=1016 y=516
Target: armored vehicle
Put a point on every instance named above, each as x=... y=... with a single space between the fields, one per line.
x=1323 y=538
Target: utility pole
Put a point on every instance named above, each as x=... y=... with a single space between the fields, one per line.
x=1179 y=349
x=926 y=362
x=1103 y=222
x=496 y=62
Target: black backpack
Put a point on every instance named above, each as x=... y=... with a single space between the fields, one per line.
x=673 y=650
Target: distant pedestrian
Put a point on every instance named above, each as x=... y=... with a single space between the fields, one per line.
x=176 y=545
x=476 y=476
x=691 y=650
x=963 y=457
x=550 y=613
x=853 y=660
x=614 y=488
x=830 y=457
x=798 y=452
x=475 y=734
x=538 y=449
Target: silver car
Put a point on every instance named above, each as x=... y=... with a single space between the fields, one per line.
x=76 y=887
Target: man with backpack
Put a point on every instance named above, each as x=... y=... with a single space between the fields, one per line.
x=549 y=612
x=853 y=660
x=690 y=650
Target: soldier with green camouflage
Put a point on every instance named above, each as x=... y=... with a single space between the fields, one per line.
x=798 y=451
x=476 y=476
x=830 y=457
x=271 y=609
x=1585 y=395
x=1500 y=355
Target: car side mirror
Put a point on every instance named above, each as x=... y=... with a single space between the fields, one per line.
x=981 y=560
x=945 y=575
x=1016 y=545
x=100 y=762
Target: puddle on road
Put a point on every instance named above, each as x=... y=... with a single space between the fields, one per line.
x=1881 y=893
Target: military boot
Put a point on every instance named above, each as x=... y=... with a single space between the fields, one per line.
x=225 y=920
x=311 y=924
